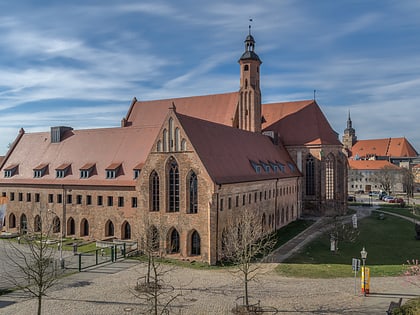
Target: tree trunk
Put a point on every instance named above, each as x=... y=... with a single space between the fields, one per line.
x=39 y=303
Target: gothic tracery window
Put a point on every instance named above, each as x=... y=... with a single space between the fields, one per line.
x=192 y=193
x=329 y=177
x=173 y=186
x=154 y=191
x=310 y=176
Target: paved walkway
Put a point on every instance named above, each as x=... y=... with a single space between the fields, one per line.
x=109 y=290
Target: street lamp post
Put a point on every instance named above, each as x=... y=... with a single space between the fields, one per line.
x=363 y=254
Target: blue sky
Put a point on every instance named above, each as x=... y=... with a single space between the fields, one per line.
x=79 y=63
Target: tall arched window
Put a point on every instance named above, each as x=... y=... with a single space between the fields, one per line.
x=173 y=186
x=195 y=243
x=174 y=242
x=37 y=224
x=310 y=176
x=126 y=231
x=109 y=228
x=71 y=229
x=56 y=225
x=12 y=220
x=154 y=191
x=23 y=224
x=329 y=177
x=159 y=146
x=84 y=227
x=192 y=193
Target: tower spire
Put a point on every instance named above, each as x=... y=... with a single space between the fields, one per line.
x=249 y=109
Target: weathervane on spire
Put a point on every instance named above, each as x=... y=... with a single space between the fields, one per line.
x=249 y=26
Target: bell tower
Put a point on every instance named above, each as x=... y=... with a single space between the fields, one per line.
x=249 y=109
x=349 y=137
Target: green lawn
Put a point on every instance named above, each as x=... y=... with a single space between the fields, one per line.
x=389 y=243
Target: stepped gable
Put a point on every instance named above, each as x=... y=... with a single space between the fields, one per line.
x=391 y=147
x=227 y=152
x=219 y=108
x=299 y=123
x=102 y=148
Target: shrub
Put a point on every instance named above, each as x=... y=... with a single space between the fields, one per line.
x=411 y=307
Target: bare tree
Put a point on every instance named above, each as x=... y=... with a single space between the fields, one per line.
x=152 y=287
x=341 y=232
x=387 y=177
x=244 y=243
x=32 y=262
x=408 y=182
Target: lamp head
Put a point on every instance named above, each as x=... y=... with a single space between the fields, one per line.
x=363 y=253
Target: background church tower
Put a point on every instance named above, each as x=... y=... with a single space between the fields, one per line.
x=349 y=137
x=249 y=110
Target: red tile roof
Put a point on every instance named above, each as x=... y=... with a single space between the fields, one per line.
x=392 y=147
x=227 y=152
x=219 y=108
x=299 y=123
x=82 y=149
x=370 y=164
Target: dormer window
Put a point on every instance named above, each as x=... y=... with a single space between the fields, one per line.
x=87 y=170
x=11 y=170
x=274 y=166
x=40 y=170
x=256 y=167
x=291 y=167
x=265 y=166
x=62 y=170
x=112 y=171
x=137 y=170
x=281 y=167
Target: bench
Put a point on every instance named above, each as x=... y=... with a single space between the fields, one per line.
x=392 y=306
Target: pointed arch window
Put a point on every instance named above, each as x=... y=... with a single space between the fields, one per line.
x=37 y=224
x=159 y=146
x=192 y=193
x=173 y=186
x=126 y=231
x=195 y=243
x=154 y=191
x=109 y=228
x=174 y=242
x=329 y=177
x=56 y=225
x=84 y=227
x=310 y=176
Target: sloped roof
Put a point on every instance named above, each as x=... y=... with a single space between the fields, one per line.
x=99 y=147
x=392 y=147
x=227 y=152
x=299 y=123
x=219 y=108
x=370 y=164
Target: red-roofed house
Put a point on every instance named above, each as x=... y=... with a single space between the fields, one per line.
x=186 y=165
x=368 y=158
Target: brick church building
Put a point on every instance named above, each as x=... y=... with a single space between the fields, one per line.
x=185 y=165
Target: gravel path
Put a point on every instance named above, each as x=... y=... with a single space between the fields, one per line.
x=108 y=290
